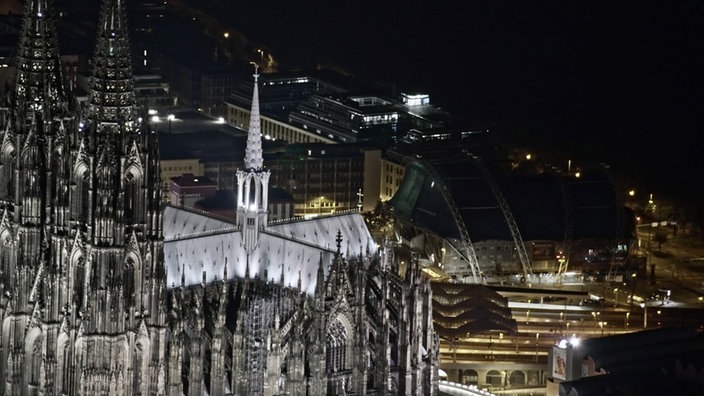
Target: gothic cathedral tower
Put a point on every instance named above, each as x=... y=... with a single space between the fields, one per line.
x=253 y=181
x=81 y=230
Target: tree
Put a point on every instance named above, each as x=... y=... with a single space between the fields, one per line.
x=381 y=220
x=660 y=236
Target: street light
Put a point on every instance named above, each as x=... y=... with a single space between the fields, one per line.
x=170 y=117
x=537 y=335
x=633 y=288
x=615 y=297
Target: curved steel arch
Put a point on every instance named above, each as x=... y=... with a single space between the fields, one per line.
x=508 y=215
x=469 y=254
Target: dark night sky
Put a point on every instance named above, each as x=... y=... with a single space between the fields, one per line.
x=620 y=82
x=614 y=81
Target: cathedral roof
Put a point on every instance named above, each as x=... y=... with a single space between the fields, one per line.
x=196 y=244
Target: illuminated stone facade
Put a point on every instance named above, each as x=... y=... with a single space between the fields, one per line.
x=105 y=292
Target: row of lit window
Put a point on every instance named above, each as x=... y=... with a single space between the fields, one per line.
x=176 y=168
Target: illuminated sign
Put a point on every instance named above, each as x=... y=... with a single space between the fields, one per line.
x=558 y=363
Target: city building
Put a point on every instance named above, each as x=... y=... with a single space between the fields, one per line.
x=462 y=205
x=104 y=291
x=344 y=175
x=187 y=190
x=473 y=323
x=324 y=178
x=280 y=94
x=664 y=361
x=82 y=246
x=324 y=107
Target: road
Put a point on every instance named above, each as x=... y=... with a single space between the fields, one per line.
x=678 y=266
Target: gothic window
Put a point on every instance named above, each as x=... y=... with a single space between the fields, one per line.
x=79 y=279
x=186 y=366
x=128 y=280
x=137 y=367
x=35 y=360
x=6 y=251
x=79 y=198
x=5 y=179
x=336 y=347
x=132 y=209
x=64 y=369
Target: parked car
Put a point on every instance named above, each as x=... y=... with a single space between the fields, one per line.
x=591 y=302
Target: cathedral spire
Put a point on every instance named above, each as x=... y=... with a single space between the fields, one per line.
x=112 y=99
x=39 y=84
x=253 y=181
x=253 y=155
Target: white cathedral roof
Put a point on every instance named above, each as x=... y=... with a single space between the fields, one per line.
x=199 y=245
x=183 y=223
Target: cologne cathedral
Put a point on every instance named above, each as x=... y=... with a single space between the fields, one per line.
x=104 y=290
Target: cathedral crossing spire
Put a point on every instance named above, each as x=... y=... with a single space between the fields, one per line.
x=253 y=154
x=253 y=181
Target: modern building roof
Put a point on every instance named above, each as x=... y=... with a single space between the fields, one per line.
x=539 y=203
x=222 y=199
x=665 y=361
x=188 y=120
x=625 y=351
x=193 y=135
x=188 y=180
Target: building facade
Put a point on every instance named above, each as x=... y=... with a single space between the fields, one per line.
x=464 y=206
x=82 y=311
x=105 y=292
